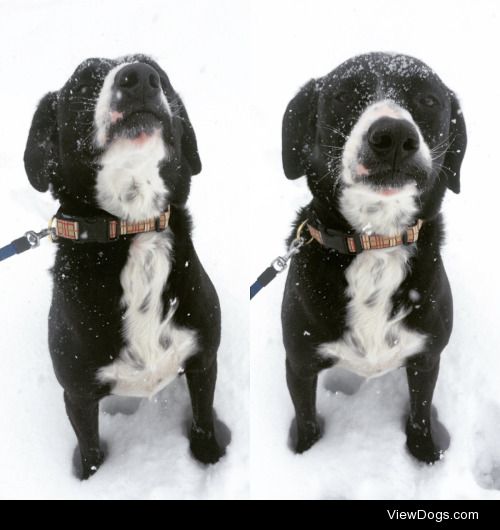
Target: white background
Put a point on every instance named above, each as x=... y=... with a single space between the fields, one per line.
x=237 y=64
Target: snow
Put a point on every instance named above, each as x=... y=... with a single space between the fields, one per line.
x=236 y=65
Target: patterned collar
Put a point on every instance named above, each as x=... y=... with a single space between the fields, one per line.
x=357 y=243
x=103 y=228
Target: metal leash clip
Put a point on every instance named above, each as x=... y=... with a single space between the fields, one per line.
x=280 y=263
x=35 y=237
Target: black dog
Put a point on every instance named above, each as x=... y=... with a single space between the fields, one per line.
x=380 y=139
x=132 y=305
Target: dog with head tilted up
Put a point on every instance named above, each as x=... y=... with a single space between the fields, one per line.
x=132 y=306
x=380 y=139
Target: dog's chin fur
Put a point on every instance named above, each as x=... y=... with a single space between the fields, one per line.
x=368 y=211
x=129 y=184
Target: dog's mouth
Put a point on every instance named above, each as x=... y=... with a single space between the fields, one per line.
x=388 y=192
x=390 y=182
x=137 y=125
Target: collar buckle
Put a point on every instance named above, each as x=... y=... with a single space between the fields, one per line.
x=95 y=229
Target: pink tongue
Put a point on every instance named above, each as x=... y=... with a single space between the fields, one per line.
x=115 y=116
x=389 y=191
x=142 y=138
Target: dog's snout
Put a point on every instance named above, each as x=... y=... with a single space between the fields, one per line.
x=138 y=81
x=393 y=140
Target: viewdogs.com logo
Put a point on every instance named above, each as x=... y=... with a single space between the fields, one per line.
x=433 y=516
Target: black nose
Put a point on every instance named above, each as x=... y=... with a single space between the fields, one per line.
x=393 y=140
x=138 y=81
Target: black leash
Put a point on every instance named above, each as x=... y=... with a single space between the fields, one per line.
x=31 y=239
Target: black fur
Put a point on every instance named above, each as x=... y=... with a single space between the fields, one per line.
x=85 y=322
x=315 y=126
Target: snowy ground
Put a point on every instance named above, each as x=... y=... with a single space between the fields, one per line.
x=237 y=64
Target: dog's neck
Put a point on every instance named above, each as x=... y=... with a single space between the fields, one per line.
x=329 y=215
x=72 y=206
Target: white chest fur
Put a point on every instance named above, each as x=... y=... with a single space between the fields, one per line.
x=155 y=348
x=374 y=343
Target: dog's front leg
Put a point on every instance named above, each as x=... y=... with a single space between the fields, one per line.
x=203 y=443
x=303 y=393
x=83 y=414
x=422 y=374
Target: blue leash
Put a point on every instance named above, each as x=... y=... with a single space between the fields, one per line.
x=279 y=264
x=8 y=251
x=31 y=239
x=266 y=277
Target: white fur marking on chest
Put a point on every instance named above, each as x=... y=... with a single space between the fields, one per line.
x=155 y=347
x=374 y=343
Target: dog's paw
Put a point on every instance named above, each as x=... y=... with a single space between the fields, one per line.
x=86 y=466
x=303 y=438
x=204 y=446
x=421 y=445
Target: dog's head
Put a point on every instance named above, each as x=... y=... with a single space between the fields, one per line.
x=115 y=137
x=379 y=138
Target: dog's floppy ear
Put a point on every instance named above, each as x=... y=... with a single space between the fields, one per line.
x=298 y=131
x=457 y=145
x=189 y=145
x=41 y=158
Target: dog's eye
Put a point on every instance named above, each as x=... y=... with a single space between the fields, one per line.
x=82 y=90
x=342 y=97
x=428 y=101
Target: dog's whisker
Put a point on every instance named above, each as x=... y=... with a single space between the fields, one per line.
x=333 y=130
x=332 y=147
x=327 y=174
x=334 y=157
x=444 y=144
x=448 y=170
x=88 y=139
